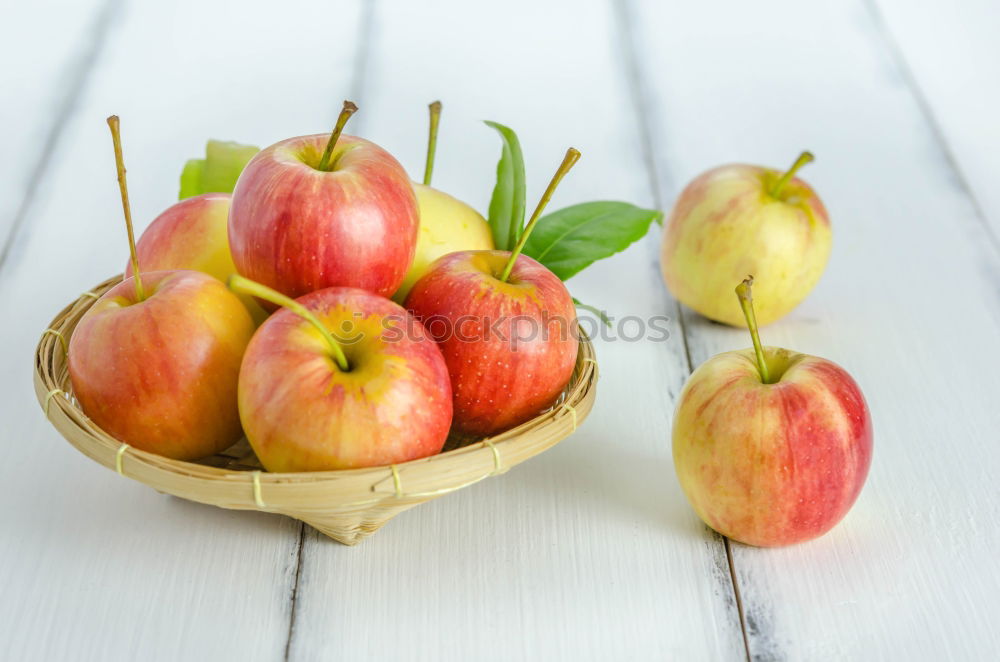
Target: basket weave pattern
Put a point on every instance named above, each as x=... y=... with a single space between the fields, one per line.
x=346 y=505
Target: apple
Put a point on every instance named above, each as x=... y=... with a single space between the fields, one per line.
x=506 y=326
x=739 y=219
x=192 y=234
x=155 y=361
x=304 y=218
x=446 y=223
x=378 y=394
x=771 y=447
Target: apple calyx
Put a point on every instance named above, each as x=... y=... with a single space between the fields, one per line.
x=804 y=158
x=432 y=136
x=345 y=114
x=746 y=303
x=242 y=285
x=116 y=138
x=572 y=156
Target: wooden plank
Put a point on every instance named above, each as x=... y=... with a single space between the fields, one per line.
x=949 y=55
x=38 y=98
x=587 y=551
x=95 y=566
x=908 y=305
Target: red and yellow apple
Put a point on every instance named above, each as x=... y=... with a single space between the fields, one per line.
x=340 y=379
x=160 y=372
x=740 y=219
x=192 y=234
x=304 y=218
x=771 y=447
x=510 y=345
x=155 y=360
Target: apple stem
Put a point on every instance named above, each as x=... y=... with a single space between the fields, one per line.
x=116 y=138
x=432 y=139
x=572 y=156
x=804 y=158
x=345 y=114
x=746 y=303
x=242 y=285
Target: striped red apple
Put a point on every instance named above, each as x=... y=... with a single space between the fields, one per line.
x=305 y=217
x=771 y=447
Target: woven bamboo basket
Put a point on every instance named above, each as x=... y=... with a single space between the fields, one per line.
x=346 y=505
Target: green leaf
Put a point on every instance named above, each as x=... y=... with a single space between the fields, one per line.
x=571 y=239
x=218 y=171
x=506 y=218
x=601 y=315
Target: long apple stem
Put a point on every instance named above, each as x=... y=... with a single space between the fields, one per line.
x=345 y=114
x=746 y=303
x=804 y=158
x=572 y=156
x=432 y=139
x=242 y=285
x=116 y=138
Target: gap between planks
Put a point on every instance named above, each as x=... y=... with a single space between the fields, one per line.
x=80 y=69
x=295 y=589
x=656 y=174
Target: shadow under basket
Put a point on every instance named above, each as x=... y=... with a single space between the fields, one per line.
x=346 y=505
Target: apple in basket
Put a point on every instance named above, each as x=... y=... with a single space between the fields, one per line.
x=446 y=223
x=506 y=326
x=740 y=219
x=339 y=379
x=305 y=217
x=192 y=234
x=771 y=446
x=155 y=361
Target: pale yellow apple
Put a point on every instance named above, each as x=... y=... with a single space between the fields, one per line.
x=728 y=224
x=447 y=225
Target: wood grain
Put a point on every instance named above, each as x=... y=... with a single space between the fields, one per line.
x=908 y=305
x=94 y=566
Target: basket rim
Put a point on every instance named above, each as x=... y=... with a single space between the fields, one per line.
x=413 y=481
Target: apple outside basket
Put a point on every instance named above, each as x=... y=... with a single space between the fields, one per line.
x=346 y=505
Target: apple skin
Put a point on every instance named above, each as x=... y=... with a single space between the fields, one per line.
x=161 y=374
x=771 y=464
x=447 y=225
x=499 y=376
x=192 y=234
x=298 y=229
x=726 y=225
x=302 y=413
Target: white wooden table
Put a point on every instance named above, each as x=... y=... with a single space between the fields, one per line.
x=588 y=552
